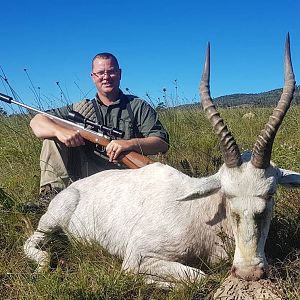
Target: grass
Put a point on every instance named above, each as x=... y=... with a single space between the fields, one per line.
x=87 y=271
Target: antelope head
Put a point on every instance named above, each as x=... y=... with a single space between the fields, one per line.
x=249 y=181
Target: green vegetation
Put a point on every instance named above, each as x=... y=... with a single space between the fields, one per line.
x=87 y=271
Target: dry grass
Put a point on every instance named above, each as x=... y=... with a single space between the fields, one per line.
x=87 y=271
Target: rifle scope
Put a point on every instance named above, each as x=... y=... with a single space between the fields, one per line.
x=79 y=118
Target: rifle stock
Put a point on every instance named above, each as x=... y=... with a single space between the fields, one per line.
x=131 y=159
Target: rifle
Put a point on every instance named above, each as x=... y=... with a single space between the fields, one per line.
x=131 y=159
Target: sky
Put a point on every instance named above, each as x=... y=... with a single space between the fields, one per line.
x=159 y=44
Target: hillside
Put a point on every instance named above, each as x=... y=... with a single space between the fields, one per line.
x=263 y=99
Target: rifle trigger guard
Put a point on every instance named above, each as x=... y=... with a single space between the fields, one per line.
x=100 y=149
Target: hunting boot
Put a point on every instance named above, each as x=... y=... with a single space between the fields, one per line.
x=40 y=205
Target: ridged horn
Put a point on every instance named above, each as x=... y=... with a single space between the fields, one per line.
x=231 y=152
x=262 y=150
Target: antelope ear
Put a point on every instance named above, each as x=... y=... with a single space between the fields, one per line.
x=289 y=178
x=205 y=187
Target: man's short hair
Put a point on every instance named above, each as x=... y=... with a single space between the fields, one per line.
x=106 y=55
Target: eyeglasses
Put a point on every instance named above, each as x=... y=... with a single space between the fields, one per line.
x=110 y=73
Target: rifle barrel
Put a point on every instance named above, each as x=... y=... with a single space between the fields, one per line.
x=131 y=159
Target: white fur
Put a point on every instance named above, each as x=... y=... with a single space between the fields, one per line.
x=158 y=219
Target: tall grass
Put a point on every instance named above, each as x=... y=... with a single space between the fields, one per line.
x=87 y=271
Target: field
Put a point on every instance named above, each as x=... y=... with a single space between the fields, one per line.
x=87 y=271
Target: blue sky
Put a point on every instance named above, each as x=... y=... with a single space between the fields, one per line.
x=157 y=42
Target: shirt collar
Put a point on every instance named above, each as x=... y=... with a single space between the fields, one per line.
x=116 y=103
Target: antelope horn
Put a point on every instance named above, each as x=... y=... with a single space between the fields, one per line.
x=262 y=150
x=231 y=152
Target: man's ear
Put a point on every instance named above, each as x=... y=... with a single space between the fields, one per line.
x=289 y=178
x=93 y=79
x=205 y=187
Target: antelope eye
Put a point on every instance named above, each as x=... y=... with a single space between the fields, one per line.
x=260 y=216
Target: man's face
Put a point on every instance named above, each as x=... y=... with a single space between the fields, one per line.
x=106 y=77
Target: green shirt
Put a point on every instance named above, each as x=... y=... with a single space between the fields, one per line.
x=145 y=119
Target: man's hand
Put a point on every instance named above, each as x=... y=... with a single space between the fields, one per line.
x=45 y=128
x=70 y=137
x=115 y=147
x=150 y=145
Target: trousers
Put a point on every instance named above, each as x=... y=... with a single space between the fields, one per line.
x=61 y=165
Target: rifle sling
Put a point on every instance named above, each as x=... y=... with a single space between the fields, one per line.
x=99 y=116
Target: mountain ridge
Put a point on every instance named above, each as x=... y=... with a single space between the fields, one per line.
x=263 y=99
x=268 y=98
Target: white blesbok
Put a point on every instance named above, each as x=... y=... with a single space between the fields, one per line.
x=161 y=221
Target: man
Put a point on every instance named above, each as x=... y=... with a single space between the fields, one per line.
x=66 y=156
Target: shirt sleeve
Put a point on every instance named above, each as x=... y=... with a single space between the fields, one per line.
x=148 y=122
x=61 y=112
